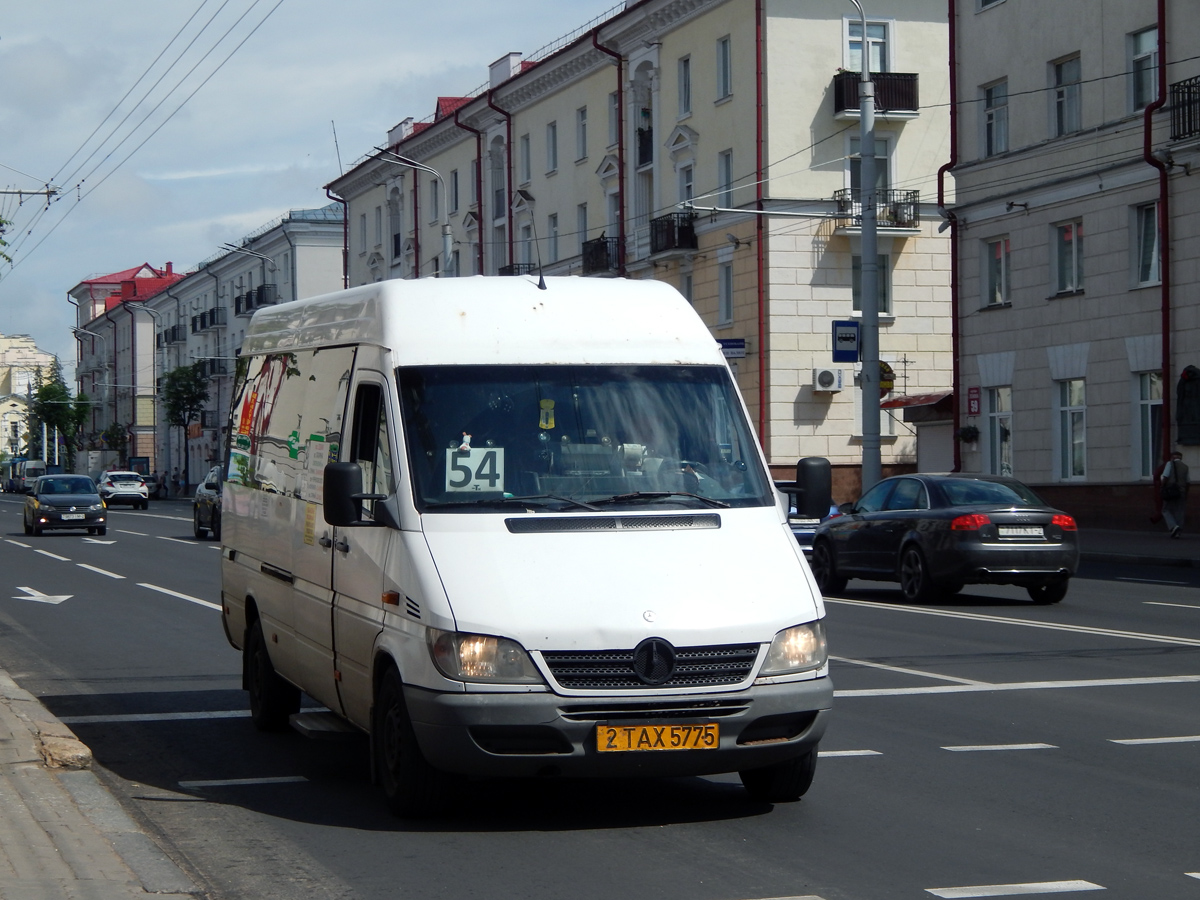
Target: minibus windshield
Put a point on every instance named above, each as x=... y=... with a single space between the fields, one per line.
x=556 y=437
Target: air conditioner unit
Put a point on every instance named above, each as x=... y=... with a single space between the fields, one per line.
x=829 y=380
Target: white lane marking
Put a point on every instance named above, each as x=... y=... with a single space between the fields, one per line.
x=1163 y=603
x=971 y=748
x=822 y=754
x=1192 y=874
x=237 y=782
x=1018 y=686
x=903 y=671
x=17 y=543
x=188 y=597
x=138 y=533
x=99 y=570
x=1013 y=890
x=1150 y=581
x=96 y=541
x=52 y=555
x=1184 y=739
x=39 y=597
x=156 y=717
x=1027 y=623
x=177 y=540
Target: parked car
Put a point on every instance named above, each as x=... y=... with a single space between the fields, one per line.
x=805 y=529
x=936 y=533
x=125 y=487
x=206 y=506
x=64 y=501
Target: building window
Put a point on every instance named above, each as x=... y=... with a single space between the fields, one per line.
x=454 y=190
x=526 y=242
x=685 y=287
x=876 y=46
x=581 y=224
x=996 y=266
x=552 y=234
x=1072 y=429
x=614 y=119
x=882 y=166
x=687 y=183
x=724 y=68
x=995 y=119
x=552 y=147
x=362 y=234
x=1143 y=67
x=1066 y=97
x=884 y=271
x=725 y=177
x=685 y=86
x=1148 y=269
x=526 y=162
x=1000 y=431
x=725 y=294
x=435 y=213
x=581 y=133
x=1068 y=257
x=1149 y=419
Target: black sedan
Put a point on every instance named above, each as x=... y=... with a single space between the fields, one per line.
x=935 y=533
x=206 y=506
x=64 y=501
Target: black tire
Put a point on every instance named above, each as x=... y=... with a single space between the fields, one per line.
x=272 y=699
x=27 y=526
x=102 y=531
x=200 y=532
x=950 y=588
x=1045 y=594
x=824 y=569
x=36 y=530
x=915 y=583
x=784 y=782
x=215 y=532
x=411 y=786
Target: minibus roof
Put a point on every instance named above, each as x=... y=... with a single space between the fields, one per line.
x=496 y=320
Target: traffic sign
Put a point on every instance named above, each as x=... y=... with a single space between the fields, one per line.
x=845 y=341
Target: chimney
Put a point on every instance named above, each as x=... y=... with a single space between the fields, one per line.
x=503 y=69
x=400 y=132
x=170 y=267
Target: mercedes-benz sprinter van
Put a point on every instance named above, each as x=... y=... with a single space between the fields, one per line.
x=509 y=530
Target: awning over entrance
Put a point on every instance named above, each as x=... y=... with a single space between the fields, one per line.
x=935 y=407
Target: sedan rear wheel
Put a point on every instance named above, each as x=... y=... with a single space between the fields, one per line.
x=1045 y=594
x=915 y=583
x=197 y=529
x=824 y=569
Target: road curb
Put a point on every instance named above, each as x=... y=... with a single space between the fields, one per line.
x=1135 y=559
x=57 y=744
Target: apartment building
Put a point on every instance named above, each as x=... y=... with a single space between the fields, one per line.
x=140 y=324
x=1078 y=128
x=712 y=144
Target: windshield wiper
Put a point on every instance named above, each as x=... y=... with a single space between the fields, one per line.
x=660 y=495
x=538 y=499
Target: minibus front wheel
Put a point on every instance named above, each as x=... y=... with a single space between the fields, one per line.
x=411 y=786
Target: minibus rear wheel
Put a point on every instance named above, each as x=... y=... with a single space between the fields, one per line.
x=272 y=700
x=410 y=784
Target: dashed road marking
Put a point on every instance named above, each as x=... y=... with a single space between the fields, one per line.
x=1018 y=686
x=1013 y=890
x=17 y=543
x=187 y=597
x=238 y=782
x=137 y=533
x=53 y=555
x=970 y=748
x=176 y=540
x=823 y=754
x=903 y=671
x=1176 y=605
x=119 y=718
x=100 y=571
x=1151 y=581
x=1184 y=739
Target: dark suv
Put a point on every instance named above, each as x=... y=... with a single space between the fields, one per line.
x=206 y=506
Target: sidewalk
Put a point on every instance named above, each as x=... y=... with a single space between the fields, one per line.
x=1148 y=548
x=63 y=836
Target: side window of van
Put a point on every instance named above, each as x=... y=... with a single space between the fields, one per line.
x=370 y=446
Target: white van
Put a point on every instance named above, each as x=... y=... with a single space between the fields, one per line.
x=28 y=471
x=512 y=531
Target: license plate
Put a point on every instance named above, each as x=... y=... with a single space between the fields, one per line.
x=1021 y=531
x=625 y=738
x=72 y=516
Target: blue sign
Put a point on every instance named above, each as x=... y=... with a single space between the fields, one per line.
x=733 y=348
x=845 y=342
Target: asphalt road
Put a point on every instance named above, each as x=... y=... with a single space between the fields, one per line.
x=977 y=743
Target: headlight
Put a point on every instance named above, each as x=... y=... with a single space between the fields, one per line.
x=44 y=507
x=95 y=507
x=798 y=649
x=481 y=658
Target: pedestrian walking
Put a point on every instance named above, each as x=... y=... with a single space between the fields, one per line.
x=173 y=483
x=1173 y=488
x=179 y=484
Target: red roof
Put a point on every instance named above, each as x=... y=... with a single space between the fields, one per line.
x=138 y=283
x=447 y=105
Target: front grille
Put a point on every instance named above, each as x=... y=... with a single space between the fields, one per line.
x=605 y=670
x=623 y=710
x=560 y=524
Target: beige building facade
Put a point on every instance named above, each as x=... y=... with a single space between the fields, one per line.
x=711 y=144
x=1078 y=127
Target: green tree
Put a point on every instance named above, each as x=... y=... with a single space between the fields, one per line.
x=185 y=395
x=51 y=404
x=4 y=223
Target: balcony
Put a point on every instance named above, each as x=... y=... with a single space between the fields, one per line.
x=895 y=211
x=519 y=269
x=602 y=256
x=674 y=231
x=1185 y=109
x=896 y=95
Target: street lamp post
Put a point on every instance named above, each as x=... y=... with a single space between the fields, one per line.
x=872 y=467
x=447 y=259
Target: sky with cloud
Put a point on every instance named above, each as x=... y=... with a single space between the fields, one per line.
x=169 y=128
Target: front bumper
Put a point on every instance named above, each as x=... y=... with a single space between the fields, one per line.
x=54 y=520
x=540 y=734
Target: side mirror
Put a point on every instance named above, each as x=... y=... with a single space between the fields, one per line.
x=814 y=487
x=211 y=486
x=342 y=482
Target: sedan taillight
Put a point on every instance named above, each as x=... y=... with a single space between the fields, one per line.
x=1066 y=523
x=970 y=522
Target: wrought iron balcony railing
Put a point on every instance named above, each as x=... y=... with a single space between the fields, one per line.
x=519 y=269
x=674 y=231
x=895 y=92
x=893 y=209
x=601 y=255
x=1185 y=109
